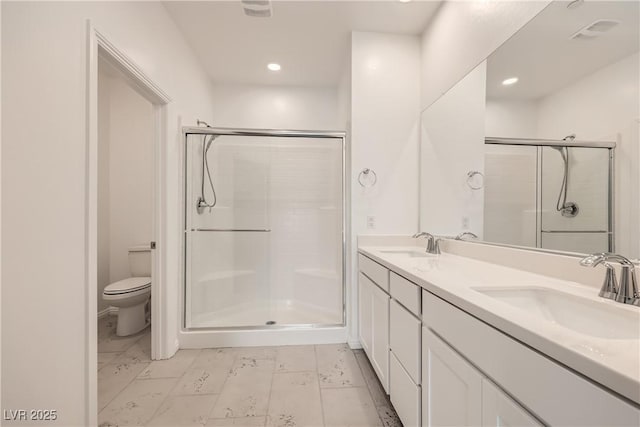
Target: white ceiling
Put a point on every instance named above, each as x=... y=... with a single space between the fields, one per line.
x=543 y=57
x=310 y=39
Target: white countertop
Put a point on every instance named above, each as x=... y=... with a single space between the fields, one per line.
x=614 y=363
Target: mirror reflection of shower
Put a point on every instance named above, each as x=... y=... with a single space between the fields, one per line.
x=533 y=187
x=566 y=209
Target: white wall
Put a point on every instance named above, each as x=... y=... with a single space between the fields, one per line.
x=126 y=169
x=511 y=119
x=451 y=146
x=274 y=107
x=462 y=34
x=385 y=106
x=43 y=176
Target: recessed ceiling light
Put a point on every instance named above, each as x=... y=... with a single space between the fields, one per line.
x=510 y=81
x=274 y=67
x=404 y=1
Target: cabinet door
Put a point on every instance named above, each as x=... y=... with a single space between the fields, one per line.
x=499 y=410
x=404 y=339
x=404 y=393
x=379 y=356
x=451 y=387
x=365 y=318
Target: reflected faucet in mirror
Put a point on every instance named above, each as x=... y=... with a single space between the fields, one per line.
x=465 y=234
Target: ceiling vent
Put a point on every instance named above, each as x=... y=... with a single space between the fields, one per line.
x=257 y=8
x=595 y=29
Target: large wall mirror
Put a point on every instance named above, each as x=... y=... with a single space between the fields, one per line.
x=538 y=146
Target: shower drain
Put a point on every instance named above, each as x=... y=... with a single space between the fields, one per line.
x=270 y=322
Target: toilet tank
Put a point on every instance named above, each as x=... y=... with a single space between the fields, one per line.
x=140 y=261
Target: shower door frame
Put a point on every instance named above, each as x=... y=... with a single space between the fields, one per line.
x=277 y=133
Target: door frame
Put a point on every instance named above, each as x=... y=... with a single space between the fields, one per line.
x=100 y=46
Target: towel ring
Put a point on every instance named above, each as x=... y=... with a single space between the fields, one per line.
x=475 y=180
x=365 y=173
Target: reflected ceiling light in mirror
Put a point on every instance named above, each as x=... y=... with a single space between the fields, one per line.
x=272 y=66
x=510 y=81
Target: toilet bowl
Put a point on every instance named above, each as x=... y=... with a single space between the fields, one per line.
x=131 y=296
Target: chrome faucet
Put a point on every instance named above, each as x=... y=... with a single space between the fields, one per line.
x=464 y=234
x=627 y=292
x=432 y=245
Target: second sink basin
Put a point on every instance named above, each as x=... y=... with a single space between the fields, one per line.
x=588 y=317
x=408 y=253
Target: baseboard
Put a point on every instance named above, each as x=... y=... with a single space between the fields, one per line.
x=113 y=311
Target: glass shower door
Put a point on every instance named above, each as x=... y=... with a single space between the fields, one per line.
x=265 y=247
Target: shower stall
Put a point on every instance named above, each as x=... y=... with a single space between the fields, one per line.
x=264 y=229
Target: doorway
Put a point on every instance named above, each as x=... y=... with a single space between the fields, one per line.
x=142 y=163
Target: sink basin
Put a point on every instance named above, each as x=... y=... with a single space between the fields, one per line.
x=588 y=317
x=408 y=253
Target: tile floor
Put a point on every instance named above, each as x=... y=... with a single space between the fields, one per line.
x=290 y=386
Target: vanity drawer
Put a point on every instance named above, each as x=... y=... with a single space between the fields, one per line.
x=405 y=339
x=374 y=271
x=404 y=393
x=406 y=292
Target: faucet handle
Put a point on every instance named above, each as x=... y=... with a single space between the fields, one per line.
x=436 y=246
x=610 y=285
x=628 y=291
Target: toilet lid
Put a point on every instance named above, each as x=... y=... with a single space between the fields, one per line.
x=131 y=284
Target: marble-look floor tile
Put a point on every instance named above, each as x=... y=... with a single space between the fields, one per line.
x=183 y=411
x=296 y=358
x=237 y=422
x=208 y=372
x=114 y=377
x=350 y=406
x=136 y=404
x=170 y=368
x=295 y=400
x=377 y=392
x=256 y=352
x=388 y=416
x=106 y=358
x=107 y=326
x=135 y=354
x=113 y=343
x=246 y=391
x=337 y=366
x=145 y=342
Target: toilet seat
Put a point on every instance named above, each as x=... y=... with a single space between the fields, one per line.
x=127 y=286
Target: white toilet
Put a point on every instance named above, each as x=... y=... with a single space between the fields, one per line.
x=132 y=295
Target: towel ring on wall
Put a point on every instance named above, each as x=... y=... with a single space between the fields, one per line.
x=364 y=174
x=475 y=180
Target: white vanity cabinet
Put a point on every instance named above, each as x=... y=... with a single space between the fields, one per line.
x=373 y=317
x=452 y=387
x=405 y=378
x=551 y=393
x=499 y=410
x=443 y=366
